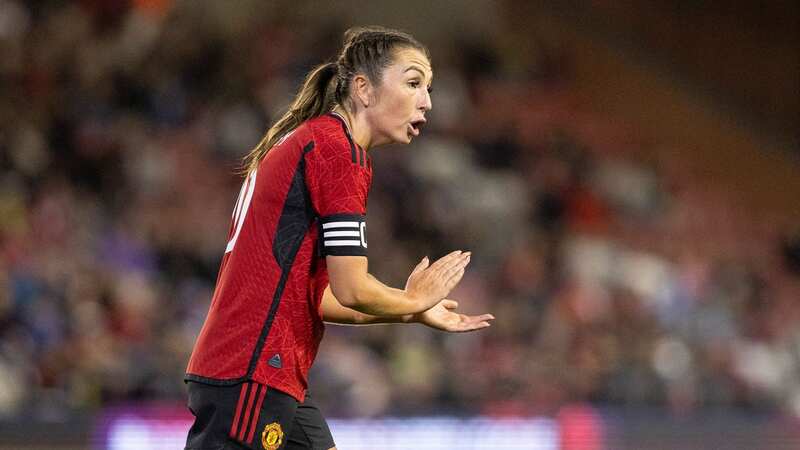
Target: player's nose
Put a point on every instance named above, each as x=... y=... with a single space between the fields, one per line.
x=425 y=102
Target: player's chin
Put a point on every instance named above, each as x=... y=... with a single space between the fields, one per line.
x=410 y=134
x=403 y=139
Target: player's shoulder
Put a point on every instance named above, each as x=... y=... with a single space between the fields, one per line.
x=336 y=143
x=330 y=136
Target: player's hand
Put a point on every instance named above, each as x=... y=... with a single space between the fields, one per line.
x=430 y=283
x=443 y=316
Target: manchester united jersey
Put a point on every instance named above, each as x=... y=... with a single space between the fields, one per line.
x=306 y=199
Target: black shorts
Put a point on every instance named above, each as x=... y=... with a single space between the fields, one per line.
x=252 y=416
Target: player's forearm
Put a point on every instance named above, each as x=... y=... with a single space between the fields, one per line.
x=333 y=312
x=428 y=284
x=367 y=295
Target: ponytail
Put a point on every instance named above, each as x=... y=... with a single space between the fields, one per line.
x=314 y=99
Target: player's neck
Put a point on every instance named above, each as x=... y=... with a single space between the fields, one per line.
x=357 y=126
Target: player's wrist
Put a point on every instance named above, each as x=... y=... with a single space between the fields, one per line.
x=409 y=318
x=420 y=303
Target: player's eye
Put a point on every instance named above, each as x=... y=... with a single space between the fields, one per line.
x=414 y=84
x=430 y=89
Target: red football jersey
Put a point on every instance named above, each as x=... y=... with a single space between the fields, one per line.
x=307 y=199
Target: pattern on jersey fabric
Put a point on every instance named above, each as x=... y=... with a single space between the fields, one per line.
x=357 y=154
x=294 y=222
x=295 y=218
x=263 y=323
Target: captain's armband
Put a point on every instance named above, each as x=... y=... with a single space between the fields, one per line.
x=343 y=235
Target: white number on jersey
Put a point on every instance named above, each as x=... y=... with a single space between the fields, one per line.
x=242 y=204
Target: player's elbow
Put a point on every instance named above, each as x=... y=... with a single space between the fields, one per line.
x=349 y=280
x=346 y=293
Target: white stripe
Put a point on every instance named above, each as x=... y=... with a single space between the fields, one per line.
x=341 y=233
x=342 y=243
x=325 y=226
x=240 y=199
x=240 y=215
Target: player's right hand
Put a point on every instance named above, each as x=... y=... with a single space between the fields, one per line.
x=430 y=283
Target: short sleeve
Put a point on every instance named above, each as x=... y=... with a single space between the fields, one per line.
x=338 y=188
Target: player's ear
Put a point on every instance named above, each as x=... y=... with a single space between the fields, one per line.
x=362 y=90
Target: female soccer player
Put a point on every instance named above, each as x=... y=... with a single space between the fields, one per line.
x=297 y=250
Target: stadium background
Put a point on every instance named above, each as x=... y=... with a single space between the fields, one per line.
x=626 y=175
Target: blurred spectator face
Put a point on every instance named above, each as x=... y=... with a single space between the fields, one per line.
x=397 y=107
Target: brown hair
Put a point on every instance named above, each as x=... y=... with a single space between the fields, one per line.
x=366 y=50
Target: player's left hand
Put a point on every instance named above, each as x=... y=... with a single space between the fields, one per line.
x=443 y=316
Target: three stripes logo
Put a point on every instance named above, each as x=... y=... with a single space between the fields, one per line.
x=248 y=410
x=344 y=235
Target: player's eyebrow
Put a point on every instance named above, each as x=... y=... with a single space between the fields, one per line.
x=418 y=69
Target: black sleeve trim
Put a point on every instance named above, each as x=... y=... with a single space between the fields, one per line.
x=343 y=235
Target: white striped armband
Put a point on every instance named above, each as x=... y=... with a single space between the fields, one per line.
x=343 y=235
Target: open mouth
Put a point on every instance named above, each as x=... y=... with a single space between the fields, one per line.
x=416 y=126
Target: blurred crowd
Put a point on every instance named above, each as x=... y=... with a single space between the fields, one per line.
x=616 y=279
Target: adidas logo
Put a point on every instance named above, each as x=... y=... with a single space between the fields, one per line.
x=275 y=361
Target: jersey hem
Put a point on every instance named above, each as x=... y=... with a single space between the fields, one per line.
x=299 y=396
x=214 y=381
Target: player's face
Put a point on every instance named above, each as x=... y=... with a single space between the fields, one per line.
x=402 y=99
